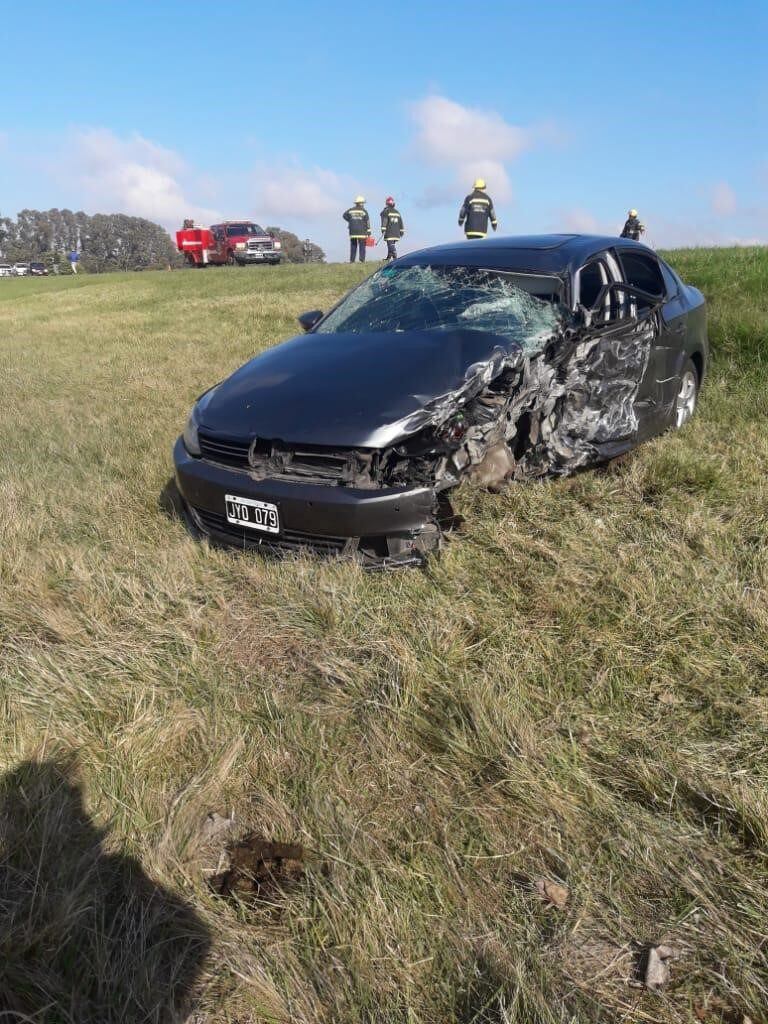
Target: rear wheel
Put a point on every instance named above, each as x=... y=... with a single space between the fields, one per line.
x=685 y=403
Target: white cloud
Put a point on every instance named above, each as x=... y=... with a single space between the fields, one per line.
x=291 y=193
x=723 y=199
x=311 y=200
x=133 y=176
x=448 y=131
x=470 y=142
x=578 y=221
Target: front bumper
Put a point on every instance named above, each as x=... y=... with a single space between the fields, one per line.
x=391 y=526
x=257 y=255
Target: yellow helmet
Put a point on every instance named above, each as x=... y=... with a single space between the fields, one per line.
x=359 y=199
x=633 y=213
x=479 y=183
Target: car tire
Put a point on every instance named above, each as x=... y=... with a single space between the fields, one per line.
x=687 y=395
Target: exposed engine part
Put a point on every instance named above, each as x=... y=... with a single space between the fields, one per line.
x=350 y=468
x=497 y=465
x=543 y=413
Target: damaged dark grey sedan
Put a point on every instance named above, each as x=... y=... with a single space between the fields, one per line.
x=490 y=361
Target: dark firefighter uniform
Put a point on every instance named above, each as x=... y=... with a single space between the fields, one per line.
x=632 y=228
x=359 y=224
x=392 y=229
x=475 y=213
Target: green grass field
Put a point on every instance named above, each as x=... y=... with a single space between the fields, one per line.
x=576 y=691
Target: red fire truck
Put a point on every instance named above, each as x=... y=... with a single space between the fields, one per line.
x=235 y=242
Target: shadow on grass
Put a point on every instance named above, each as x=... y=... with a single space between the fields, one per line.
x=169 y=500
x=85 y=936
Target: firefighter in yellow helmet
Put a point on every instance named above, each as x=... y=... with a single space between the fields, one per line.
x=359 y=224
x=632 y=227
x=476 y=211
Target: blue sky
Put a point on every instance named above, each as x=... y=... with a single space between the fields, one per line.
x=284 y=111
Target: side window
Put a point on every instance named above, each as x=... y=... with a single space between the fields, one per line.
x=643 y=272
x=592 y=277
x=670 y=281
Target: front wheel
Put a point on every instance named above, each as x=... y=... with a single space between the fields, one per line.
x=687 y=396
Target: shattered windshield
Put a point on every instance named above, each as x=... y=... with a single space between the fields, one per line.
x=523 y=307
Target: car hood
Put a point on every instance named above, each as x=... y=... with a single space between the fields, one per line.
x=356 y=390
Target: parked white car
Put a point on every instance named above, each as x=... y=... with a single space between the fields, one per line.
x=6 y=270
x=21 y=269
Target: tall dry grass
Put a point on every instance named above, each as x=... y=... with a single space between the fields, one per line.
x=575 y=691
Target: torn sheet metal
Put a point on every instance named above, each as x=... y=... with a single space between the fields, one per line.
x=537 y=414
x=448 y=373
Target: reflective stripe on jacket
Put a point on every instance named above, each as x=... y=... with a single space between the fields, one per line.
x=392 y=224
x=632 y=229
x=358 y=220
x=477 y=209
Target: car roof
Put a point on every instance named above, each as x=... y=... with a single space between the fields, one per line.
x=547 y=254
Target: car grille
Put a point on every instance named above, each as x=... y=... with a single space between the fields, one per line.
x=314 y=463
x=230 y=452
x=260 y=246
x=286 y=540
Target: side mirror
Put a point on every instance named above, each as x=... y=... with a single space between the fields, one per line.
x=308 y=320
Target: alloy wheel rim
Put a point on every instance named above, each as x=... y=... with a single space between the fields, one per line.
x=686 y=398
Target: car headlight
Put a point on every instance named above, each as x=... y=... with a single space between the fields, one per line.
x=191 y=442
x=278 y=245
x=190 y=438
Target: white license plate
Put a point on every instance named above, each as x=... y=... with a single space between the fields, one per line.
x=256 y=515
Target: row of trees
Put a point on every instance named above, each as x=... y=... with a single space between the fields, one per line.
x=106 y=241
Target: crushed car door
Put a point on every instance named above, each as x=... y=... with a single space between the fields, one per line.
x=611 y=363
x=657 y=392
